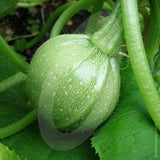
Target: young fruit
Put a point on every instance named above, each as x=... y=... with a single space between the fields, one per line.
x=73 y=82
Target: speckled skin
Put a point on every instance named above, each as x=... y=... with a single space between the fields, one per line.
x=73 y=83
x=6 y=154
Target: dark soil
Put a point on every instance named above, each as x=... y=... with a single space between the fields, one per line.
x=30 y=21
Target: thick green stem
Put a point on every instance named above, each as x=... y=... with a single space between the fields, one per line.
x=46 y=27
x=14 y=57
x=153 y=37
x=27 y=5
x=11 y=81
x=93 y=20
x=67 y=14
x=19 y=125
x=111 y=33
x=138 y=59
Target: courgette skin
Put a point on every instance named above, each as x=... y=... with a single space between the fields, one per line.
x=74 y=79
x=74 y=84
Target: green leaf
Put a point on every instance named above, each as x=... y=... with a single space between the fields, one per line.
x=7 y=7
x=6 y=154
x=13 y=104
x=28 y=144
x=20 y=45
x=130 y=133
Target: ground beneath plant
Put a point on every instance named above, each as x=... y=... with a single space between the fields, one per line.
x=26 y=23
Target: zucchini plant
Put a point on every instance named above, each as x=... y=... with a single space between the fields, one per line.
x=81 y=87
